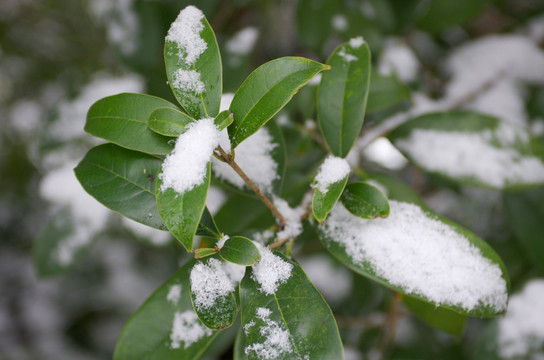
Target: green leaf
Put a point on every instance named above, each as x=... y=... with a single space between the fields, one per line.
x=240 y=250
x=241 y=213
x=313 y=21
x=207 y=226
x=296 y=310
x=342 y=96
x=443 y=14
x=122 y=180
x=349 y=241
x=122 y=120
x=181 y=213
x=437 y=317
x=169 y=122
x=385 y=92
x=215 y=309
x=148 y=334
x=266 y=91
x=224 y=119
x=323 y=203
x=203 y=102
x=365 y=201
x=457 y=144
x=204 y=252
x=395 y=189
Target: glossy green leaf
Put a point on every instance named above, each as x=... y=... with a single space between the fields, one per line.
x=220 y=312
x=203 y=102
x=149 y=333
x=342 y=96
x=363 y=266
x=296 y=310
x=365 y=201
x=207 y=226
x=437 y=317
x=385 y=92
x=122 y=180
x=224 y=119
x=395 y=189
x=323 y=203
x=181 y=213
x=240 y=250
x=204 y=252
x=122 y=120
x=169 y=122
x=266 y=91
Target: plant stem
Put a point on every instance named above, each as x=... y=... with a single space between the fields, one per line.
x=230 y=160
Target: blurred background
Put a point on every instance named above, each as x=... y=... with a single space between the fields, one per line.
x=72 y=272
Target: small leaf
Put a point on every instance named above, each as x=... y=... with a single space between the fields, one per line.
x=207 y=226
x=342 y=96
x=224 y=119
x=266 y=91
x=323 y=203
x=204 y=252
x=385 y=92
x=181 y=213
x=169 y=122
x=365 y=201
x=166 y=326
x=122 y=180
x=195 y=77
x=240 y=250
x=122 y=120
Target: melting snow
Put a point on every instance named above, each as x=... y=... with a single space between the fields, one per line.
x=331 y=171
x=187 y=329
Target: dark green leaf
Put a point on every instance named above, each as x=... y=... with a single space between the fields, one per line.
x=203 y=102
x=169 y=122
x=437 y=317
x=224 y=119
x=365 y=201
x=323 y=203
x=204 y=252
x=266 y=91
x=395 y=189
x=122 y=120
x=122 y=180
x=240 y=250
x=342 y=96
x=207 y=226
x=241 y=213
x=149 y=332
x=385 y=92
x=313 y=21
x=297 y=310
x=181 y=213
x=443 y=14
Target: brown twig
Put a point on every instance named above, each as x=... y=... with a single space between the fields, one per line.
x=389 y=332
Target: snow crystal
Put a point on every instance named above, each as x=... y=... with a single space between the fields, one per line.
x=243 y=41
x=185 y=167
x=188 y=329
x=522 y=330
x=270 y=271
x=334 y=282
x=254 y=156
x=208 y=282
x=293 y=224
x=347 y=57
x=174 y=294
x=339 y=22
x=420 y=254
x=188 y=81
x=332 y=170
x=356 y=42
x=185 y=32
x=277 y=343
x=397 y=58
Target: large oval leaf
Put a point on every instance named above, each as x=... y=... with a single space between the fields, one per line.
x=181 y=213
x=193 y=64
x=166 y=326
x=266 y=91
x=423 y=255
x=342 y=95
x=122 y=120
x=122 y=180
x=240 y=250
x=365 y=201
x=472 y=149
x=169 y=122
x=295 y=314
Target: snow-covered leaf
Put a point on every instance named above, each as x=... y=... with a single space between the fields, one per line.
x=168 y=122
x=329 y=183
x=365 y=201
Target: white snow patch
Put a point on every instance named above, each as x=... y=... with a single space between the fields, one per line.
x=185 y=32
x=314 y=82
x=420 y=254
x=277 y=343
x=346 y=56
x=271 y=271
x=332 y=170
x=174 y=294
x=187 y=329
x=226 y=100
x=293 y=224
x=397 y=58
x=356 y=42
x=382 y=152
x=208 y=282
x=334 y=282
x=215 y=199
x=235 y=272
x=243 y=41
x=185 y=167
x=521 y=330
x=339 y=22
x=188 y=81
x=254 y=156
x=222 y=241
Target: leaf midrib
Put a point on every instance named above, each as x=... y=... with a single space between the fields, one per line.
x=121 y=177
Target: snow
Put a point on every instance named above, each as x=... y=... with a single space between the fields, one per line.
x=521 y=330
x=382 y=152
x=208 y=282
x=174 y=294
x=339 y=22
x=314 y=82
x=422 y=255
x=120 y=20
x=397 y=58
x=356 y=42
x=187 y=329
x=226 y=100
x=222 y=241
x=271 y=271
x=254 y=156
x=185 y=32
x=331 y=171
x=346 y=56
x=235 y=272
x=277 y=343
x=185 y=167
x=215 y=199
x=263 y=237
x=188 y=81
x=293 y=224
x=334 y=282
x=243 y=41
